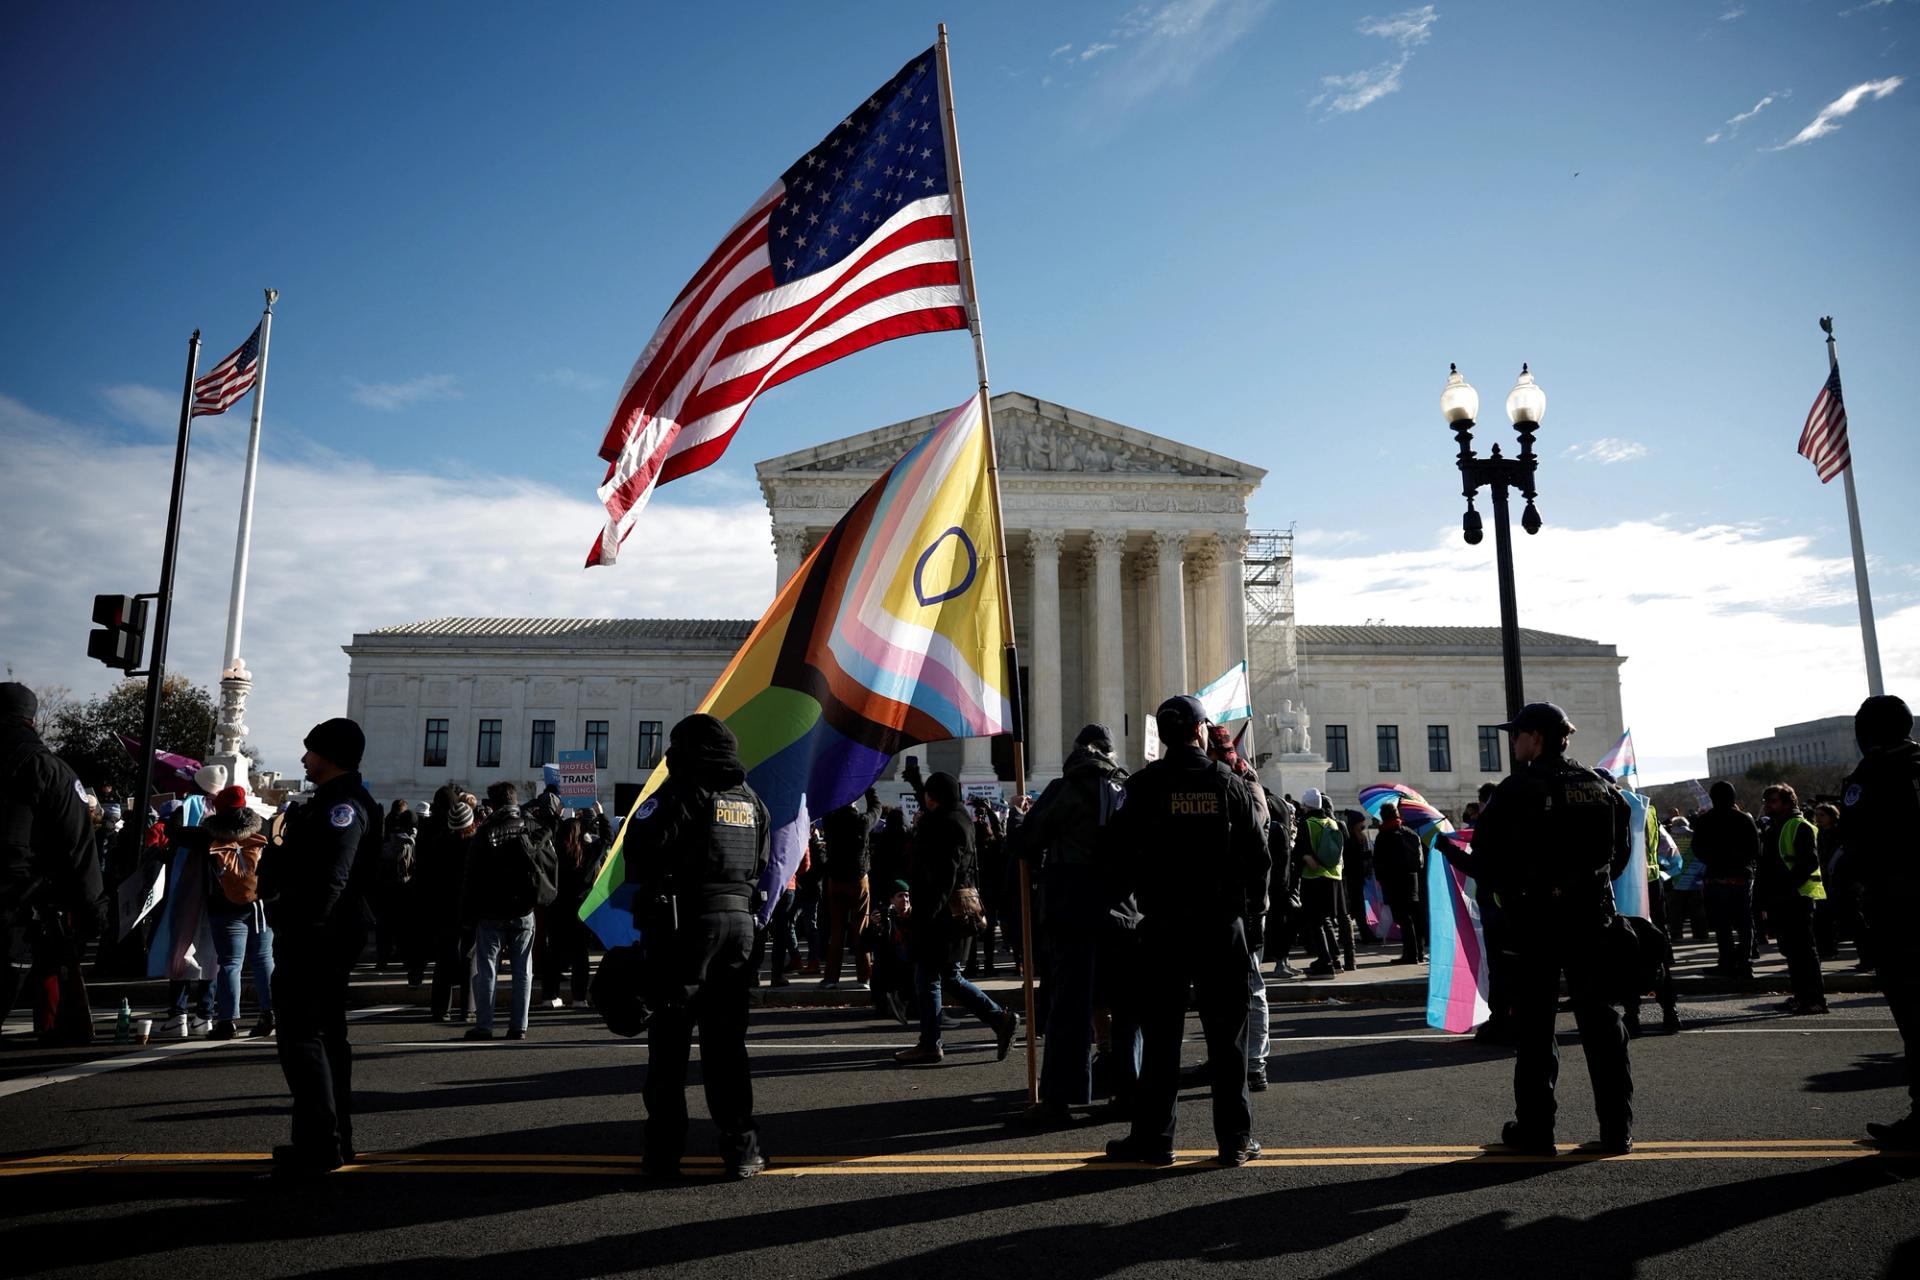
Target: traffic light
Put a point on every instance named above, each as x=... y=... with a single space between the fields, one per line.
x=123 y=637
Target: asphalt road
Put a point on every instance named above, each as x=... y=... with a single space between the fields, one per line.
x=519 y=1158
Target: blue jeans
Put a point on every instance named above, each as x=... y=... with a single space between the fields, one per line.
x=179 y=991
x=237 y=941
x=490 y=937
x=928 y=979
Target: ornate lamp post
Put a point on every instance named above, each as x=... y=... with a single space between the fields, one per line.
x=1526 y=405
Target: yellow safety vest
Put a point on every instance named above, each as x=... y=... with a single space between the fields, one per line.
x=1813 y=886
x=1316 y=828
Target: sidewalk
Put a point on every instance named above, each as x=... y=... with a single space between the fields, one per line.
x=1376 y=980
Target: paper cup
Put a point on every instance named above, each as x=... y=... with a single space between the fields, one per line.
x=146 y=1029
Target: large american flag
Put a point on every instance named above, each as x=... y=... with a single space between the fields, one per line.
x=227 y=381
x=852 y=246
x=1823 y=441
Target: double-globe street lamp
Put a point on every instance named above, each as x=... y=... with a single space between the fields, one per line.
x=1526 y=405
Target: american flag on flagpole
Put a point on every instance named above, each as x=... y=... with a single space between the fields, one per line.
x=1823 y=441
x=853 y=245
x=227 y=381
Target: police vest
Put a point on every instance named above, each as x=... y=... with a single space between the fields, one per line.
x=1813 y=886
x=730 y=852
x=1326 y=843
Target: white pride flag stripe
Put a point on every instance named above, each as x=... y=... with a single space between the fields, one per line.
x=1227 y=698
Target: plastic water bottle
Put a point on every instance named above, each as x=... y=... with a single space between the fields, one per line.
x=123 y=1029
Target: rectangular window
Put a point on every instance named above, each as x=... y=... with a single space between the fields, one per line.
x=1336 y=736
x=1439 y=749
x=1490 y=749
x=597 y=742
x=487 y=755
x=541 y=749
x=1386 y=741
x=650 y=742
x=435 y=754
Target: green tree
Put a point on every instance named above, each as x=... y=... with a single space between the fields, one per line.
x=87 y=734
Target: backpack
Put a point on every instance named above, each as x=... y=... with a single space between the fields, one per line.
x=1329 y=843
x=525 y=867
x=239 y=873
x=397 y=856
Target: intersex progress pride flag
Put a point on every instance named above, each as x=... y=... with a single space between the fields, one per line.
x=1456 y=945
x=888 y=636
x=851 y=246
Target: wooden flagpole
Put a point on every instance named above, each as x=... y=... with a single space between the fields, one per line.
x=972 y=295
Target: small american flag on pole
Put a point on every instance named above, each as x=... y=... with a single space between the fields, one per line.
x=1823 y=441
x=227 y=381
x=853 y=245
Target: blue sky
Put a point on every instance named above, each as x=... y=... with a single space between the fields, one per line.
x=1263 y=228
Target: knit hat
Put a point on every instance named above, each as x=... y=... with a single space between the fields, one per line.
x=211 y=779
x=944 y=790
x=1097 y=736
x=460 y=816
x=231 y=817
x=17 y=702
x=1310 y=799
x=229 y=798
x=339 y=741
x=1881 y=721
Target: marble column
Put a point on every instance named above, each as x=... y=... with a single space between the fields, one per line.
x=1209 y=615
x=1232 y=572
x=789 y=549
x=1170 y=548
x=976 y=760
x=1106 y=652
x=1044 y=731
x=1146 y=635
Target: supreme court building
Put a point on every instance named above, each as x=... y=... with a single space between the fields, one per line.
x=1128 y=554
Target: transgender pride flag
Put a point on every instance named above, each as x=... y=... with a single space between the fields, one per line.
x=1456 y=946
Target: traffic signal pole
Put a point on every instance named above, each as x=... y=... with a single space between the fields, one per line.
x=163 y=613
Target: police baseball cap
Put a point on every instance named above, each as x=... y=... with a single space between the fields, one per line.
x=1181 y=709
x=1539 y=717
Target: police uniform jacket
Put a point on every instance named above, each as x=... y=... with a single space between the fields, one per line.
x=703 y=846
x=1880 y=832
x=316 y=882
x=1194 y=842
x=1550 y=842
x=49 y=854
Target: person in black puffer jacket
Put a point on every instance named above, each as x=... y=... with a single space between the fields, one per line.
x=943 y=861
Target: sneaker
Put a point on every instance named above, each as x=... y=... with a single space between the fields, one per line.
x=1257 y=1080
x=858 y=986
x=520 y=1034
x=1126 y=1149
x=199 y=1026
x=1526 y=1142
x=1810 y=1007
x=1003 y=1037
x=781 y=980
x=478 y=1033
x=1617 y=1145
x=263 y=1029
x=921 y=1055
x=175 y=1025
x=1237 y=1155
x=1045 y=1115
x=1281 y=969
x=1320 y=969
x=556 y=1003
x=746 y=1167
x=223 y=1030
x=832 y=984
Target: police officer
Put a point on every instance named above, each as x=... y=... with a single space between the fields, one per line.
x=1880 y=830
x=1197 y=852
x=695 y=850
x=1550 y=842
x=316 y=884
x=50 y=867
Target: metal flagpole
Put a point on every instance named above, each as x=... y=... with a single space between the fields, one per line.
x=972 y=294
x=1868 y=636
x=236 y=682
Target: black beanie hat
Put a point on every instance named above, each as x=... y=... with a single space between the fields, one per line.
x=338 y=740
x=1881 y=721
x=17 y=702
x=703 y=730
x=944 y=790
x=1097 y=736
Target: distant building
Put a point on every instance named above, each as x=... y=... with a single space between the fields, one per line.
x=1419 y=705
x=1828 y=741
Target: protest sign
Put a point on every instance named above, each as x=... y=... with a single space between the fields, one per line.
x=578 y=780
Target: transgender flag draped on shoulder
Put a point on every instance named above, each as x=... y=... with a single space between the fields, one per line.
x=888 y=636
x=853 y=245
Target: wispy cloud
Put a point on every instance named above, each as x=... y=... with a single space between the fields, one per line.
x=1408 y=30
x=1868 y=7
x=390 y=396
x=1734 y=14
x=1607 y=450
x=1733 y=123
x=323 y=549
x=147 y=407
x=1845 y=105
x=1665 y=594
x=1160 y=46
x=574 y=380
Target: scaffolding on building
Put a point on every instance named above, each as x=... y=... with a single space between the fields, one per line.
x=1272 y=661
